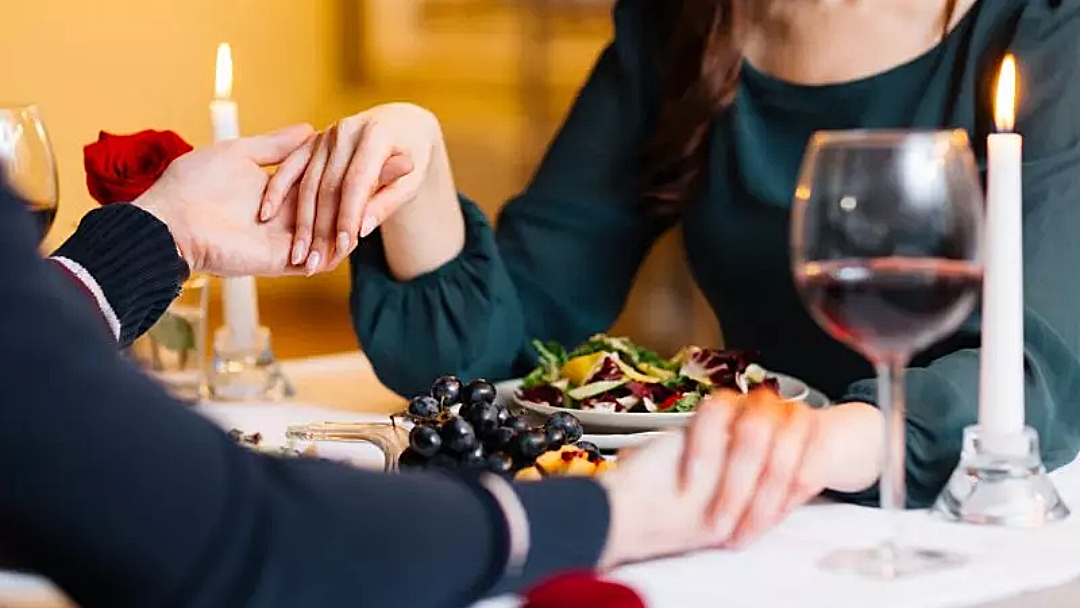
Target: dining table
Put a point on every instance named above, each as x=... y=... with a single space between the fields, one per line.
x=1002 y=567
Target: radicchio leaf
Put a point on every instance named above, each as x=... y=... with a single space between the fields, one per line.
x=620 y=399
x=713 y=367
x=607 y=370
x=544 y=393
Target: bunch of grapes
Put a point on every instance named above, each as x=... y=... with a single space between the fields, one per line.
x=483 y=435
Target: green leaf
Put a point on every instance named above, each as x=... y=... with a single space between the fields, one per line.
x=676 y=382
x=653 y=358
x=535 y=378
x=551 y=354
x=174 y=333
x=687 y=403
x=587 y=349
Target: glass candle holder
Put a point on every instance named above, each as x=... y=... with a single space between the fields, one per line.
x=174 y=349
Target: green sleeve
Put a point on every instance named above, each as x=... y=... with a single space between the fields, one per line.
x=565 y=253
x=942 y=395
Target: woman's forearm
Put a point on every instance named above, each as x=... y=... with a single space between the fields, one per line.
x=429 y=231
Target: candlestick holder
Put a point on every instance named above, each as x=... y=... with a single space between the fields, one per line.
x=1001 y=481
x=246 y=371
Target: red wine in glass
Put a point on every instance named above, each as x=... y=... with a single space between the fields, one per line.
x=44 y=215
x=887 y=307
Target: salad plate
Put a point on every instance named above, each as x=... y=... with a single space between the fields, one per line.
x=615 y=386
x=600 y=426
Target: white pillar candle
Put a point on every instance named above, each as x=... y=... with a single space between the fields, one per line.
x=1001 y=378
x=239 y=295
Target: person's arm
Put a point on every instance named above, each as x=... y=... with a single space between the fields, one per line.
x=137 y=501
x=128 y=260
x=942 y=393
x=126 y=264
x=565 y=253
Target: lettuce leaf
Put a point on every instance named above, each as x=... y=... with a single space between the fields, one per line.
x=551 y=357
x=687 y=403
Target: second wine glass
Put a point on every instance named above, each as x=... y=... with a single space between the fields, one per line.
x=27 y=163
x=886 y=238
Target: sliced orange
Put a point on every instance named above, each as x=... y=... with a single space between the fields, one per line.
x=529 y=474
x=577 y=370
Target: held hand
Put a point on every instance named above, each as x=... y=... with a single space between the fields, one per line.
x=651 y=515
x=210 y=201
x=744 y=463
x=776 y=455
x=356 y=175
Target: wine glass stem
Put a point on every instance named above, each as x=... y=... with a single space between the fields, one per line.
x=891 y=402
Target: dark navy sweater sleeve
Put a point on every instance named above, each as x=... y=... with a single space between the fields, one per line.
x=127 y=499
x=134 y=261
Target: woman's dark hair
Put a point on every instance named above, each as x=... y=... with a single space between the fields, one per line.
x=700 y=78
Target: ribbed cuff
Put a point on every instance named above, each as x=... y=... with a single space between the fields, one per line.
x=369 y=257
x=568 y=528
x=133 y=258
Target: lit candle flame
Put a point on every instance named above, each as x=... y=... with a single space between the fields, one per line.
x=1005 y=102
x=223 y=76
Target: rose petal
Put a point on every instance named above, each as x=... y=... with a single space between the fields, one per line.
x=581 y=590
x=119 y=168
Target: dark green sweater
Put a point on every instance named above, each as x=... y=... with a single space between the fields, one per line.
x=566 y=250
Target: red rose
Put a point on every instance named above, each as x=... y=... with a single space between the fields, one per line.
x=119 y=168
x=581 y=590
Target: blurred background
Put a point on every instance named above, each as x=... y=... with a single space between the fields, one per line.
x=499 y=74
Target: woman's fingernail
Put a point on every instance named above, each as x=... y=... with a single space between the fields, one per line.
x=370 y=223
x=313 y=262
x=299 y=250
x=343 y=242
x=264 y=213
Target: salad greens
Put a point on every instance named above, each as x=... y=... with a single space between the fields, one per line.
x=613 y=374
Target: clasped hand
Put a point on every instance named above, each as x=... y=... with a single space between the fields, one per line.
x=230 y=216
x=744 y=464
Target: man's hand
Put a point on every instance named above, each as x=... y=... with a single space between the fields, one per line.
x=744 y=464
x=210 y=201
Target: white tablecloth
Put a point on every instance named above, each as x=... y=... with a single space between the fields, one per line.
x=782 y=569
x=779 y=571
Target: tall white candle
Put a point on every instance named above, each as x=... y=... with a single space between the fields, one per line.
x=239 y=296
x=224 y=113
x=1001 y=379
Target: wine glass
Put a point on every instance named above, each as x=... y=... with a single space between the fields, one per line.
x=29 y=166
x=886 y=238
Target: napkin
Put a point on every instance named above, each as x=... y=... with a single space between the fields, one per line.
x=581 y=590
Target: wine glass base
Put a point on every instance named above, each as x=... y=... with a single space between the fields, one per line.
x=888 y=561
x=1001 y=481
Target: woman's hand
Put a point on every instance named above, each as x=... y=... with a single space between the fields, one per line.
x=359 y=174
x=775 y=455
x=744 y=463
x=209 y=199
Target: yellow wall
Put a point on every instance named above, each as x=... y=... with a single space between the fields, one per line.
x=124 y=65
